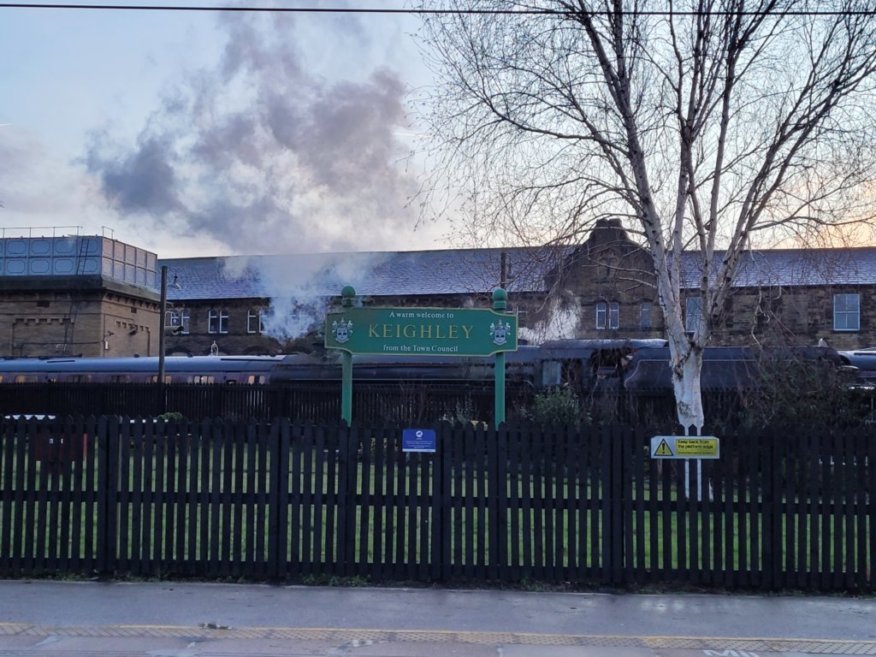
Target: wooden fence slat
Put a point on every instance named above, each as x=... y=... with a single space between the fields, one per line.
x=640 y=567
x=380 y=506
x=871 y=521
x=497 y=484
x=319 y=505
x=333 y=525
x=549 y=500
x=625 y=446
x=443 y=554
x=7 y=454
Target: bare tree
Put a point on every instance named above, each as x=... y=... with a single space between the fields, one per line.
x=698 y=122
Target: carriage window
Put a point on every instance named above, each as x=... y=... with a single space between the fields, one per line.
x=254 y=323
x=202 y=378
x=119 y=378
x=217 y=321
x=252 y=379
x=846 y=312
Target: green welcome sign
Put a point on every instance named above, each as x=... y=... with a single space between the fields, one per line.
x=421 y=331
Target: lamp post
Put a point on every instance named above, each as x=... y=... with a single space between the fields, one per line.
x=162 y=312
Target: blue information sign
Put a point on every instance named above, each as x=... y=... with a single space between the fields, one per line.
x=419 y=440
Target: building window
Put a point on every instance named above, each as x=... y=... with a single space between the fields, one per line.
x=217 y=321
x=254 y=323
x=607 y=315
x=177 y=321
x=693 y=312
x=846 y=312
x=645 y=316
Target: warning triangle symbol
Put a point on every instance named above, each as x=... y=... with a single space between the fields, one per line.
x=663 y=449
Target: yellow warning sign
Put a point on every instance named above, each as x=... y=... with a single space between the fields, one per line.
x=663 y=449
x=705 y=447
x=685 y=447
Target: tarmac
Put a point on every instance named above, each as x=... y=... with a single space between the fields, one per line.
x=167 y=619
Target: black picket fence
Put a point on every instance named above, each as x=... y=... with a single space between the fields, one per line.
x=283 y=501
x=320 y=402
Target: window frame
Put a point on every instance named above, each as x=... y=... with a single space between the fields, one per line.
x=177 y=318
x=646 y=321
x=847 y=312
x=693 y=313
x=607 y=315
x=613 y=315
x=601 y=315
x=217 y=322
x=254 y=316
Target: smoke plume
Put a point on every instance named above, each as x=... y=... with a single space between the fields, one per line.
x=264 y=155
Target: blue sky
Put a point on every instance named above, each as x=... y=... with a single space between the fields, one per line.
x=195 y=133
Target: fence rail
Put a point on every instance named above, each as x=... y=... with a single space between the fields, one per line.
x=278 y=500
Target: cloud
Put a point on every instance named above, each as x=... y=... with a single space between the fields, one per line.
x=26 y=163
x=263 y=154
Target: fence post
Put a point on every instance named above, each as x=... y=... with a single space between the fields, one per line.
x=496 y=501
x=107 y=476
x=278 y=459
x=348 y=496
x=442 y=552
x=771 y=509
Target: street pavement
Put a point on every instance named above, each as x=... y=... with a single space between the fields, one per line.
x=166 y=619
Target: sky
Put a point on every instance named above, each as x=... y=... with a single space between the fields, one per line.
x=208 y=133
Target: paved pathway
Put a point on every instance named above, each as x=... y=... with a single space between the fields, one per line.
x=61 y=619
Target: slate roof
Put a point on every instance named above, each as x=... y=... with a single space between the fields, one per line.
x=808 y=267
x=402 y=273
x=468 y=271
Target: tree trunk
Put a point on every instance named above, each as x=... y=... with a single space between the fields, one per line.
x=686 y=369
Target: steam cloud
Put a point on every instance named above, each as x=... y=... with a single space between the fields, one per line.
x=299 y=287
x=265 y=156
x=560 y=322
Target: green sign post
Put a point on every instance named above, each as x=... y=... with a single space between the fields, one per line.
x=421 y=332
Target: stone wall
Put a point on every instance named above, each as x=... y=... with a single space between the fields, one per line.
x=76 y=317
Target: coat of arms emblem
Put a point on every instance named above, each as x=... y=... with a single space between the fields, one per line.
x=499 y=332
x=342 y=330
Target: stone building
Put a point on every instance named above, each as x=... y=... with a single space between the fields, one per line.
x=76 y=296
x=602 y=288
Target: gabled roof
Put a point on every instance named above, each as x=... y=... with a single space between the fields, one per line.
x=471 y=271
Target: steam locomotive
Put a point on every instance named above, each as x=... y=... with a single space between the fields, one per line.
x=586 y=365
